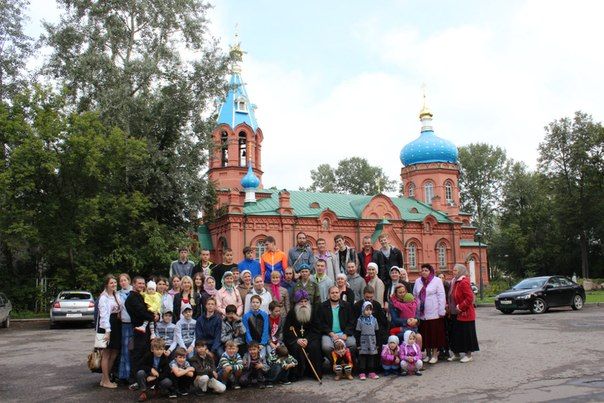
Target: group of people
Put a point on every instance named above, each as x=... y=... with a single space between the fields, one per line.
x=282 y=318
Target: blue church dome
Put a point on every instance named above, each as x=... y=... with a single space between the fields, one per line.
x=428 y=147
x=250 y=180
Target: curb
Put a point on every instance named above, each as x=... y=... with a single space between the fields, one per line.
x=30 y=320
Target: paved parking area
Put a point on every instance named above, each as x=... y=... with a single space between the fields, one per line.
x=557 y=356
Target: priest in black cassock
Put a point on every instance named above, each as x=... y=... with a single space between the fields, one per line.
x=306 y=336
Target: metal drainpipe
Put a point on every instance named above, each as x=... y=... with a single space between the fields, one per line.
x=404 y=251
x=454 y=244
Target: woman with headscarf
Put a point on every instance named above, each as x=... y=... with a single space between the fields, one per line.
x=461 y=307
x=228 y=295
x=403 y=313
x=346 y=293
x=390 y=284
x=430 y=295
x=209 y=290
x=245 y=284
x=186 y=296
x=374 y=281
x=278 y=292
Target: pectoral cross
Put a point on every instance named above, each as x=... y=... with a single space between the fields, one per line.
x=302 y=331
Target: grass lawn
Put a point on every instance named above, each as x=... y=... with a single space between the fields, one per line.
x=595 y=296
x=28 y=315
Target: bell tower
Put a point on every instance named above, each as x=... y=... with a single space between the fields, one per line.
x=237 y=138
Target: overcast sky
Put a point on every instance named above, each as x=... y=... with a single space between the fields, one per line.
x=335 y=79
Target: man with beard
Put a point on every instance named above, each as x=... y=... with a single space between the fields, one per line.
x=378 y=312
x=306 y=336
x=334 y=321
x=301 y=253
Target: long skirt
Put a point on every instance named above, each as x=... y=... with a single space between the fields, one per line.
x=463 y=337
x=433 y=333
x=124 y=366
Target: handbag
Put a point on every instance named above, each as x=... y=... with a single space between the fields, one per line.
x=99 y=338
x=94 y=360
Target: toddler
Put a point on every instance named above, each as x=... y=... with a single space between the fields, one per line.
x=153 y=300
x=342 y=360
x=391 y=356
x=411 y=355
x=368 y=353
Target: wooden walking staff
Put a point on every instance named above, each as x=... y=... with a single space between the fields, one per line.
x=314 y=371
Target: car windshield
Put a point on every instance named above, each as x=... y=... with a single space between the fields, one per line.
x=74 y=295
x=530 y=283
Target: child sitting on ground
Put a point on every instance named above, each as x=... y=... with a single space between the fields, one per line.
x=342 y=360
x=184 y=332
x=275 y=327
x=205 y=370
x=391 y=356
x=182 y=373
x=281 y=363
x=230 y=365
x=232 y=328
x=254 y=367
x=367 y=326
x=153 y=301
x=411 y=355
x=164 y=330
x=154 y=370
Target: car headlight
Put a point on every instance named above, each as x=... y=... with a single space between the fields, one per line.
x=527 y=296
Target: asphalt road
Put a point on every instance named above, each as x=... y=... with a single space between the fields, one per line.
x=557 y=356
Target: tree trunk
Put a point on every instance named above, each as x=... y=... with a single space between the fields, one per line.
x=584 y=254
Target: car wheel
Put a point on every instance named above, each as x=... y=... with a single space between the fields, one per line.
x=539 y=306
x=577 y=302
x=507 y=311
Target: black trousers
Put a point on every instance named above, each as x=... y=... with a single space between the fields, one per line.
x=140 y=345
x=368 y=363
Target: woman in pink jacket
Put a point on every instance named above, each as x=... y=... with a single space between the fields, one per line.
x=430 y=294
x=228 y=295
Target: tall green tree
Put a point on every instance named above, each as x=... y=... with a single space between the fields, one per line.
x=527 y=238
x=123 y=60
x=483 y=169
x=572 y=159
x=70 y=207
x=353 y=175
x=15 y=47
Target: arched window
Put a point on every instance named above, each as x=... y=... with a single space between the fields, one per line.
x=224 y=149
x=449 y=191
x=411 y=189
x=428 y=192
x=412 y=254
x=260 y=249
x=442 y=255
x=242 y=149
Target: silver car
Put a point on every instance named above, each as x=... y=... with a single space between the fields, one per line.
x=72 y=306
x=5 y=308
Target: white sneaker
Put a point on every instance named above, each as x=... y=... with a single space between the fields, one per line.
x=433 y=360
x=466 y=358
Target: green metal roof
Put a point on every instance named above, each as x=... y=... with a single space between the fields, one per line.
x=345 y=206
x=205 y=240
x=468 y=243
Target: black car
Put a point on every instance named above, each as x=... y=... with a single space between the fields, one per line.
x=538 y=294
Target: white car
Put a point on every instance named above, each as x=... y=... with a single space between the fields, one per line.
x=72 y=306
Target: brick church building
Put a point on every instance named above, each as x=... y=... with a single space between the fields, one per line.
x=426 y=223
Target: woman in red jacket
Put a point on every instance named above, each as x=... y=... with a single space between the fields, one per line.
x=463 y=331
